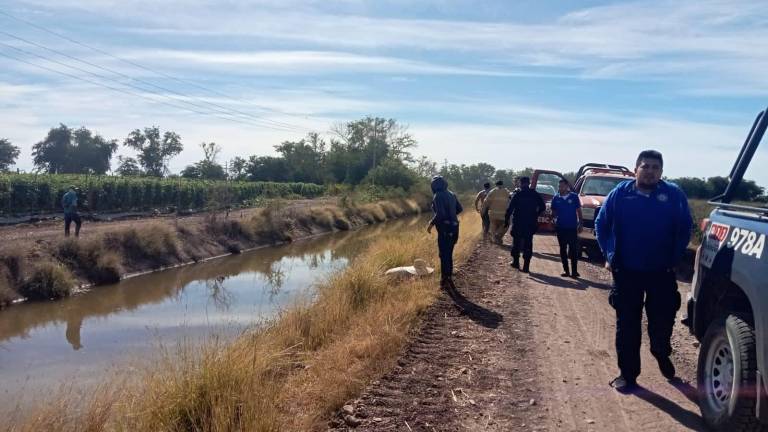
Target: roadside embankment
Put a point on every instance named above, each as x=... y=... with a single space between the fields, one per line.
x=47 y=266
x=287 y=374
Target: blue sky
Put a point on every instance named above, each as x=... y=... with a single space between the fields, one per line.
x=529 y=83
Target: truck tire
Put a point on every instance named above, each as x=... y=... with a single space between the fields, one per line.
x=726 y=375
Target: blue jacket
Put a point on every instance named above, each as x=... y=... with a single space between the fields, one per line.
x=69 y=202
x=644 y=233
x=445 y=205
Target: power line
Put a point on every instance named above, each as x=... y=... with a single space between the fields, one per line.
x=224 y=110
x=140 y=66
x=116 y=89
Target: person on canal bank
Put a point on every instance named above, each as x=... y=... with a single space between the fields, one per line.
x=478 y=206
x=643 y=229
x=566 y=208
x=446 y=208
x=69 y=204
x=524 y=209
x=495 y=204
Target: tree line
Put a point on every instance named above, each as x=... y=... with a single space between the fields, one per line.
x=369 y=151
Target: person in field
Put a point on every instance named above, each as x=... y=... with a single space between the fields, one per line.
x=495 y=204
x=69 y=204
x=478 y=206
x=524 y=209
x=566 y=208
x=446 y=208
x=643 y=229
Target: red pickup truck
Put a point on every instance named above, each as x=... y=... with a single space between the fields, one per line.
x=593 y=182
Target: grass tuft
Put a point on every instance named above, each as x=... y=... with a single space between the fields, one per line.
x=48 y=281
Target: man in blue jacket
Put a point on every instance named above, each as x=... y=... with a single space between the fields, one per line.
x=69 y=204
x=446 y=208
x=643 y=229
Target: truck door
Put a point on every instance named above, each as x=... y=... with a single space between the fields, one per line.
x=546 y=183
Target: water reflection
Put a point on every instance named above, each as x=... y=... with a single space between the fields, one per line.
x=100 y=328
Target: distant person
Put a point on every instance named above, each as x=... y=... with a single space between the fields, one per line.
x=446 y=208
x=566 y=208
x=495 y=205
x=478 y=206
x=69 y=204
x=643 y=229
x=524 y=209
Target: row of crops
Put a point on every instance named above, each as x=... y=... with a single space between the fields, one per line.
x=41 y=193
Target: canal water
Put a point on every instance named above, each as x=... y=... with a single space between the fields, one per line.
x=84 y=338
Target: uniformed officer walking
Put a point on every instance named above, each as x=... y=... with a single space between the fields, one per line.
x=643 y=229
x=446 y=208
x=524 y=208
x=567 y=210
x=495 y=204
x=479 y=199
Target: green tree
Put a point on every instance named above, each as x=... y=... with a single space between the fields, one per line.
x=207 y=168
x=305 y=159
x=73 y=151
x=154 y=150
x=267 y=168
x=237 y=168
x=8 y=154
x=391 y=173
x=128 y=166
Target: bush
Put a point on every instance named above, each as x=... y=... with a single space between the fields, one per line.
x=92 y=260
x=48 y=281
x=154 y=243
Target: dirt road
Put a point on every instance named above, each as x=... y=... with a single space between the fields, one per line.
x=511 y=351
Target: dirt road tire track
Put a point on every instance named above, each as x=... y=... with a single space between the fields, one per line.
x=511 y=351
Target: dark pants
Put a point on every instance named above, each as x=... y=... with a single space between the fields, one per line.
x=68 y=219
x=486 y=222
x=568 y=240
x=658 y=291
x=522 y=242
x=447 y=236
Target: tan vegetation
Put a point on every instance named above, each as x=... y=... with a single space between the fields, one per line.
x=288 y=374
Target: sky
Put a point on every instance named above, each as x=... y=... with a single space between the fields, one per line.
x=544 y=84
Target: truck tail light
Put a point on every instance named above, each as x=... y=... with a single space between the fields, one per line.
x=704 y=224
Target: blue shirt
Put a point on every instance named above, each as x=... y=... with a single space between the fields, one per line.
x=565 y=209
x=69 y=202
x=644 y=232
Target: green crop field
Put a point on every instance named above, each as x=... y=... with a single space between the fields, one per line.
x=41 y=193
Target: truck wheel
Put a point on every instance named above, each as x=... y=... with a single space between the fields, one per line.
x=726 y=375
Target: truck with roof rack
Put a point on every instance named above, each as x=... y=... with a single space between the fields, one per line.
x=727 y=309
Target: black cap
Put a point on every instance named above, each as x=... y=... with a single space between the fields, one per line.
x=499 y=182
x=525 y=180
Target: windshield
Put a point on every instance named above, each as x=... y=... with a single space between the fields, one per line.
x=600 y=186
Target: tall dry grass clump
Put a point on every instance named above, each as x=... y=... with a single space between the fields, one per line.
x=48 y=281
x=291 y=373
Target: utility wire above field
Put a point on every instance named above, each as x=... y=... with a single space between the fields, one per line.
x=218 y=110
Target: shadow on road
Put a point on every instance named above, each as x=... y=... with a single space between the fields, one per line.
x=689 y=419
x=690 y=392
x=560 y=282
x=484 y=317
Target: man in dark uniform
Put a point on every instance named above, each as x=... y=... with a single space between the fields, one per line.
x=446 y=208
x=643 y=228
x=524 y=208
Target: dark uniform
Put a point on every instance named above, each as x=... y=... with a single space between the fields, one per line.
x=643 y=237
x=446 y=208
x=524 y=208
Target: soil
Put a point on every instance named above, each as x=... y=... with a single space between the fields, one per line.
x=506 y=350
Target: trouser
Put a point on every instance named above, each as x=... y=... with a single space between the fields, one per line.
x=658 y=292
x=486 y=222
x=68 y=219
x=522 y=242
x=568 y=240
x=447 y=236
x=498 y=229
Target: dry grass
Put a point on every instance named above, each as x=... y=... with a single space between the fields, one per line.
x=289 y=374
x=48 y=281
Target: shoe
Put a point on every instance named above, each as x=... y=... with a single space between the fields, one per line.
x=576 y=275
x=527 y=267
x=565 y=274
x=623 y=385
x=515 y=264
x=666 y=367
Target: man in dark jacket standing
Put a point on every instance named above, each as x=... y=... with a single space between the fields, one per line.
x=524 y=208
x=446 y=208
x=643 y=228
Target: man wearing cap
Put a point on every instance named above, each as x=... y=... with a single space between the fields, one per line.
x=643 y=229
x=495 y=204
x=446 y=208
x=479 y=199
x=524 y=209
x=69 y=203
x=567 y=210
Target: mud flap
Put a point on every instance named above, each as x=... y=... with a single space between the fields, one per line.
x=761 y=410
